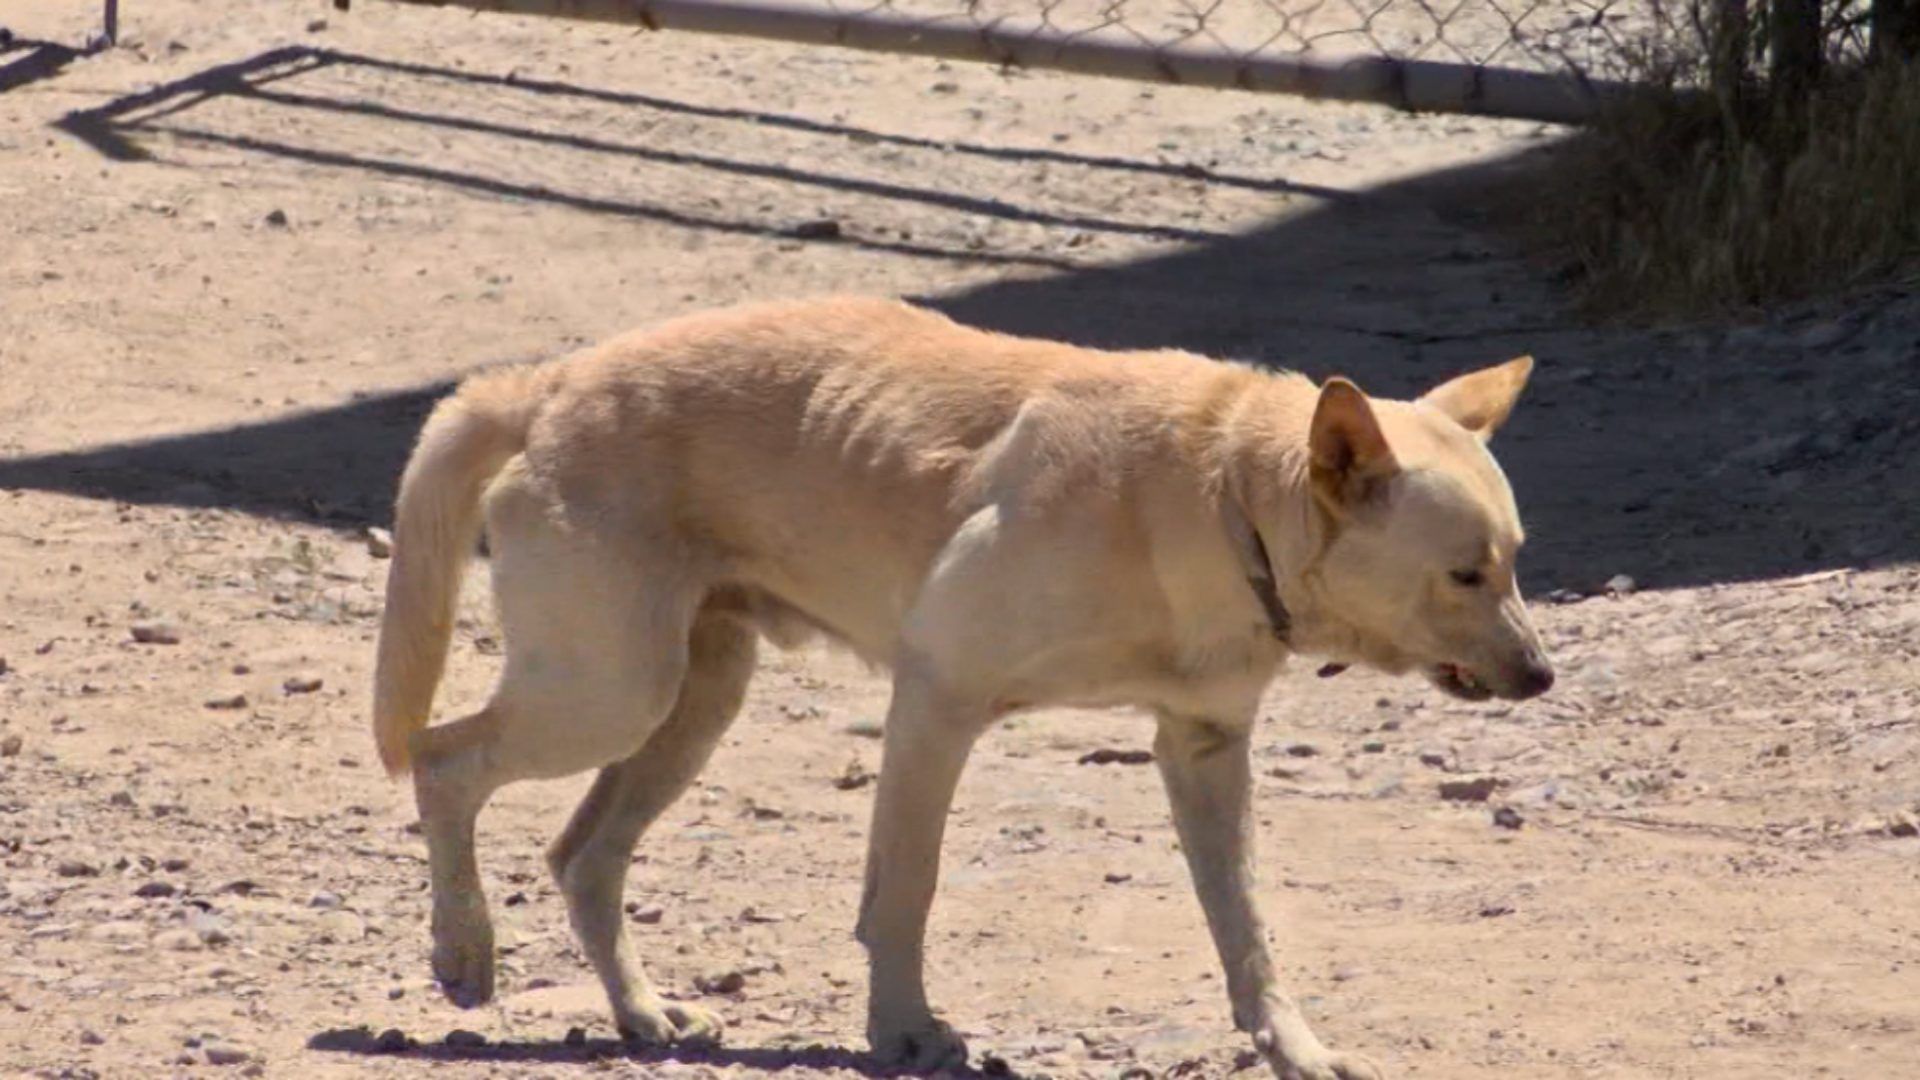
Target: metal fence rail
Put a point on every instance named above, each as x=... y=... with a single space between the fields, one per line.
x=1524 y=59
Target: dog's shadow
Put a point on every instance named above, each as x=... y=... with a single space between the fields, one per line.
x=363 y=1042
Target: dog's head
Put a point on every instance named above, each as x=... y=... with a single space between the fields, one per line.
x=1423 y=533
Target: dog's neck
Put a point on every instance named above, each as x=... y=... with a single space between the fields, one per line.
x=1277 y=529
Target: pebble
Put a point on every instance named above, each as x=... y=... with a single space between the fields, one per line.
x=1903 y=824
x=303 y=684
x=155 y=633
x=823 y=229
x=721 y=982
x=1621 y=585
x=119 y=932
x=90 y=1037
x=1301 y=749
x=648 y=914
x=218 y=1054
x=1107 y=756
x=464 y=1039
x=75 y=868
x=1507 y=817
x=156 y=890
x=11 y=745
x=324 y=900
x=179 y=941
x=277 y=218
x=379 y=542
x=576 y=1036
x=1474 y=790
x=229 y=701
x=392 y=1041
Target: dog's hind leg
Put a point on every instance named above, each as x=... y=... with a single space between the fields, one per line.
x=596 y=652
x=1208 y=778
x=589 y=859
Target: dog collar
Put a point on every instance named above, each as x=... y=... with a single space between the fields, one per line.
x=1266 y=589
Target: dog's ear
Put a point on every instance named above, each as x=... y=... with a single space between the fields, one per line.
x=1348 y=453
x=1481 y=401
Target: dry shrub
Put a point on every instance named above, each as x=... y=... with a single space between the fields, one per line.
x=1689 y=203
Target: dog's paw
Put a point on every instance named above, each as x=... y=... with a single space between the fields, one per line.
x=925 y=1046
x=463 y=959
x=1304 y=1058
x=1331 y=1067
x=660 y=1023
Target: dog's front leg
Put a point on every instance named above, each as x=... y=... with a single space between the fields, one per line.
x=1207 y=771
x=928 y=737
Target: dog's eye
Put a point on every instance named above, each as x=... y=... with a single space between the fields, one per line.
x=1467 y=579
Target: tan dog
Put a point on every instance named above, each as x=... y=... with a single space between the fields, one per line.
x=1005 y=523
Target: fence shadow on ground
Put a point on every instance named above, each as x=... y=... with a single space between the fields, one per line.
x=1673 y=458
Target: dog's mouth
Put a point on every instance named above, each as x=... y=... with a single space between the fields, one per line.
x=1459 y=682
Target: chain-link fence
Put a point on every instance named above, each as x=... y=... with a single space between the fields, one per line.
x=1553 y=60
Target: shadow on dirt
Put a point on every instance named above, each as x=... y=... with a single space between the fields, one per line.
x=363 y=1042
x=1675 y=457
x=40 y=60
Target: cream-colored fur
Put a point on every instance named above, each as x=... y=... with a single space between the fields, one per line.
x=1005 y=523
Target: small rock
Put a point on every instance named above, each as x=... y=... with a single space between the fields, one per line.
x=1507 y=817
x=854 y=776
x=326 y=901
x=1433 y=759
x=1903 y=824
x=648 y=914
x=174 y=866
x=824 y=229
x=1494 y=911
x=302 y=684
x=155 y=890
x=721 y=982
x=1373 y=747
x=576 y=1036
x=120 y=798
x=119 y=932
x=1303 y=750
x=315 y=26
x=155 y=633
x=220 y=1054
x=228 y=701
x=10 y=746
x=75 y=868
x=1620 y=585
x=277 y=218
x=1115 y=877
x=1105 y=756
x=866 y=729
x=1565 y=596
x=379 y=542
x=395 y=993
x=463 y=1039
x=392 y=1041
x=178 y=941
x=90 y=1037
x=1474 y=790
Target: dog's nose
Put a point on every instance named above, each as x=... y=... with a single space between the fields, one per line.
x=1536 y=679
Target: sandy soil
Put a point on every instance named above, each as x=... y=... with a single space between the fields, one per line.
x=242 y=253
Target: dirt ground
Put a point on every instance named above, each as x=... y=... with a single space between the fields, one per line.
x=242 y=253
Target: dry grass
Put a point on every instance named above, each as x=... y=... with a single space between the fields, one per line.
x=1683 y=206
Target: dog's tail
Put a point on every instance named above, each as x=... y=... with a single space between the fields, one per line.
x=468 y=439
